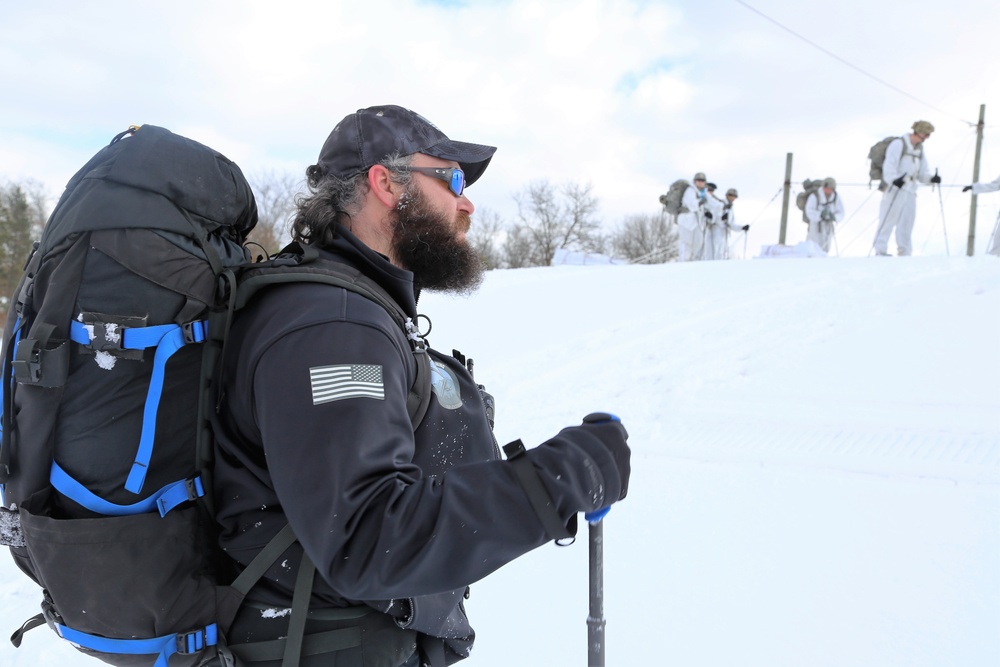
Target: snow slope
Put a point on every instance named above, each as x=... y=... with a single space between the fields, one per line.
x=816 y=461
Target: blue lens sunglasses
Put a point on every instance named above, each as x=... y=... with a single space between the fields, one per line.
x=453 y=176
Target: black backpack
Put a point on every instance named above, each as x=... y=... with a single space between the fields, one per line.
x=111 y=350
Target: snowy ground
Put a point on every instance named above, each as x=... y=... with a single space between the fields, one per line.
x=816 y=462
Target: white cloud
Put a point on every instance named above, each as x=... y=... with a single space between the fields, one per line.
x=627 y=95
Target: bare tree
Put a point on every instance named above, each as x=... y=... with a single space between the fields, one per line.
x=550 y=219
x=518 y=251
x=484 y=236
x=275 y=194
x=646 y=239
x=22 y=217
x=582 y=206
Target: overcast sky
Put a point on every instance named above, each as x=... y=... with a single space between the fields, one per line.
x=626 y=96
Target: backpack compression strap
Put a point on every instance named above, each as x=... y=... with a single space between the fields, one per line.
x=164 y=500
x=163 y=647
x=167 y=339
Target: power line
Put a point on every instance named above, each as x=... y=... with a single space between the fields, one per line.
x=851 y=65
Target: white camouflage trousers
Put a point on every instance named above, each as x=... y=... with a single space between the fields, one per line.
x=821 y=232
x=691 y=236
x=715 y=242
x=898 y=210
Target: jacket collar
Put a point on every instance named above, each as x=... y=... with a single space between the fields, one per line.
x=347 y=248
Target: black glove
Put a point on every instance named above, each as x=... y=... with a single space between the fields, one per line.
x=966 y=188
x=746 y=228
x=899 y=181
x=725 y=216
x=935 y=179
x=609 y=430
x=708 y=215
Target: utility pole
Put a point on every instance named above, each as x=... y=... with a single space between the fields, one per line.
x=784 y=203
x=975 y=179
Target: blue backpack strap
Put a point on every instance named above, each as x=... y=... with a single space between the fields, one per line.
x=167 y=339
x=164 y=500
x=7 y=407
x=163 y=647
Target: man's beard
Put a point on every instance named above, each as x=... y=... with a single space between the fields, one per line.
x=424 y=243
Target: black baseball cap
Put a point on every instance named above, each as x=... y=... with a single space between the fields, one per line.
x=368 y=136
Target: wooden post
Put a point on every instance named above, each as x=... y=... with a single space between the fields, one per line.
x=975 y=179
x=784 y=203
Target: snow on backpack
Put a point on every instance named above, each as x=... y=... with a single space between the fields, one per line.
x=110 y=349
x=675 y=194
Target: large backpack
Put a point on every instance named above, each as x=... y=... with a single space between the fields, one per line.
x=674 y=196
x=877 y=156
x=809 y=188
x=109 y=375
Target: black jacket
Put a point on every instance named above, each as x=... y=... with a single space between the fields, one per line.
x=384 y=512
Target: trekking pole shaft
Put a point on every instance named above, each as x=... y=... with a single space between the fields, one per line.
x=595 y=620
x=944 y=227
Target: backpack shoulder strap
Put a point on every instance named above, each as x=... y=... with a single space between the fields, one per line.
x=301 y=263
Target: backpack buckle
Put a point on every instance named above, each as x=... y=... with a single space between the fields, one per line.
x=194 y=332
x=196 y=640
x=36 y=362
x=27 y=363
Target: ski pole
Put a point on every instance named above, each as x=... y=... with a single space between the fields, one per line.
x=746 y=236
x=595 y=619
x=944 y=227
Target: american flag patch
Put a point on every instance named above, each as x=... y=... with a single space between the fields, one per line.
x=335 y=383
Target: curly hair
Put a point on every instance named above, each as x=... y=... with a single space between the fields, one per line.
x=333 y=200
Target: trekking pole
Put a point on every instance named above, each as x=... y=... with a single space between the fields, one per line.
x=746 y=236
x=944 y=227
x=595 y=619
x=833 y=231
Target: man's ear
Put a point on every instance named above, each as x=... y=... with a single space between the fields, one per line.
x=383 y=187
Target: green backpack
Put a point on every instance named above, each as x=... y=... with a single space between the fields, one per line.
x=672 y=199
x=877 y=156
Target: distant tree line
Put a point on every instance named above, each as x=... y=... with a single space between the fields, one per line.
x=22 y=217
x=549 y=217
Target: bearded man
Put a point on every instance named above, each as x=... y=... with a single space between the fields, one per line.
x=397 y=510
